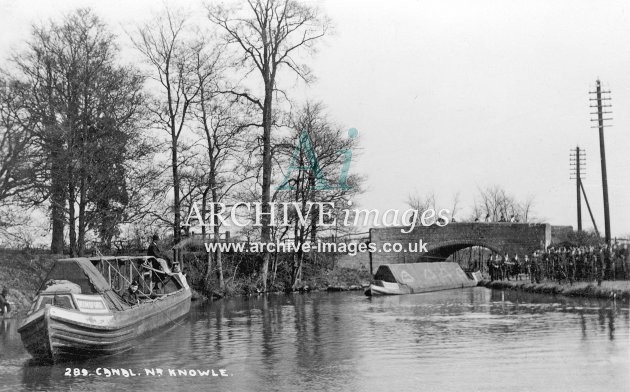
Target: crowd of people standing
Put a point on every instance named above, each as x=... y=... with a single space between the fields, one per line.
x=563 y=264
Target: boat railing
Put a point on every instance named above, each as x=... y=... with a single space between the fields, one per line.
x=154 y=298
x=113 y=272
x=121 y=272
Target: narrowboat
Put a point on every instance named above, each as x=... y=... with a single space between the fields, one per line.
x=413 y=278
x=81 y=309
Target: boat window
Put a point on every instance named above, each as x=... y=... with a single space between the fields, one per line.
x=45 y=300
x=91 y=303
x=62 y=301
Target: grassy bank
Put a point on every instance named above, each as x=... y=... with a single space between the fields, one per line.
x=21 y=272
x=337 y=279
x=242 y=277
x=619 y=290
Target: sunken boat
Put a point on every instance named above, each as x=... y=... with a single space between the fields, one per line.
x=80 y=310
x=413 y=278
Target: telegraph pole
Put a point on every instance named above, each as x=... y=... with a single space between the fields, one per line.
x=577 y=163
x=599 y=97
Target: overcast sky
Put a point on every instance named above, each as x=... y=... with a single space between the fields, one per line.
x=451 y=96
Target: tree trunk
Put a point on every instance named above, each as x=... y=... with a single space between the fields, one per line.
x=315 y=209
x=204 y=210
x=176 y=201
x=58 y=202
x=82 y=224
x=220 y=270
x=208 y=277
x=298 y=275
x=57 y=174
x=215 y=220
x=265 y=233
x=275 y=268
x=71 y=221
x=217 y=239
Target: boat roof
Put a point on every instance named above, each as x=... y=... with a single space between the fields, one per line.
x=418 y=275
x=163 y=264
x=82 y=272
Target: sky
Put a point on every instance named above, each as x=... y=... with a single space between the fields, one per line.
x=453 y=96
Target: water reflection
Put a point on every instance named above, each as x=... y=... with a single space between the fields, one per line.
x=449 y=340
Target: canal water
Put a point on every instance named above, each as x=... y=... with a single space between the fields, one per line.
x=473 y=339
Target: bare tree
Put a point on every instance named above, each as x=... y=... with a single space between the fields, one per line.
x=496 y=205
x=227 y=168
x=477 y=212
x=492 y=202
x=455 y=205
x=329 y=142
x=164 y=46
x=268 y=35
x=422 y=203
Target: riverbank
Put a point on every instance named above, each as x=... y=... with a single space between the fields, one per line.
x=619 y=289
x=315 y=278
x=22 y=271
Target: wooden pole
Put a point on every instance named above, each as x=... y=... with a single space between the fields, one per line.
x=602 y=153
x=578 y=179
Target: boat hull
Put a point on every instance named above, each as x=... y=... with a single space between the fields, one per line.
x=54 y=334
x=400 y=289
x=386 y=288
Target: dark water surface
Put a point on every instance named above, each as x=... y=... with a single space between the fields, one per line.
x=460 y=340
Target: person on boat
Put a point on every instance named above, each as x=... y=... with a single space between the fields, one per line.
x=132 y=295
x=5 y=306
x=154 y=250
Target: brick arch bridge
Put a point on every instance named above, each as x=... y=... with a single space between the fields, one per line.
x=441 y=242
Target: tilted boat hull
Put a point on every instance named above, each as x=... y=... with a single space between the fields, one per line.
x=400 y=289
x=386 y=288
x=414 y=278
x=54 y=334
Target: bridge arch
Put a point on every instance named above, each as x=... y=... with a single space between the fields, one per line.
x=443 y=250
